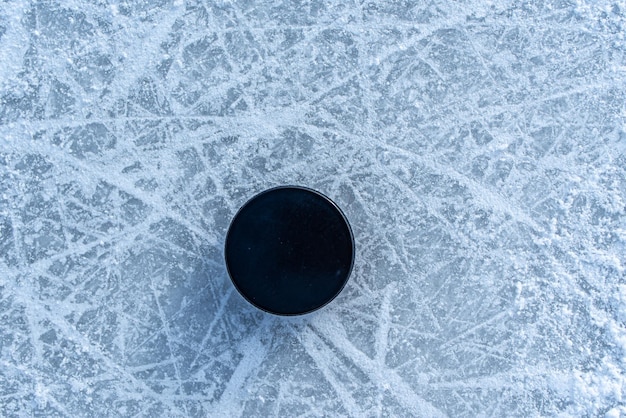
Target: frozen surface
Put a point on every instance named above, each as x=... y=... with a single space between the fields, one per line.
x=478 y=149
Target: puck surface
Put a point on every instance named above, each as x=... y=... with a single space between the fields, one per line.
x=289 y=250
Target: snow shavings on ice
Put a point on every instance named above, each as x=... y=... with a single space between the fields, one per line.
x=478 y=149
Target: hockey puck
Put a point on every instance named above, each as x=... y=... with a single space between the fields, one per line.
x=289 y=250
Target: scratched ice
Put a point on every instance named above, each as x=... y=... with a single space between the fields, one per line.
x=478 y=149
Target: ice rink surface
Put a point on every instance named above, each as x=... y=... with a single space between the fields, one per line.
x=478 y=149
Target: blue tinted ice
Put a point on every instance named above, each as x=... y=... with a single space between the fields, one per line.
x=477 y=148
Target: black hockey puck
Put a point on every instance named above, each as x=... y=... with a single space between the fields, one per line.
x=289 y=250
